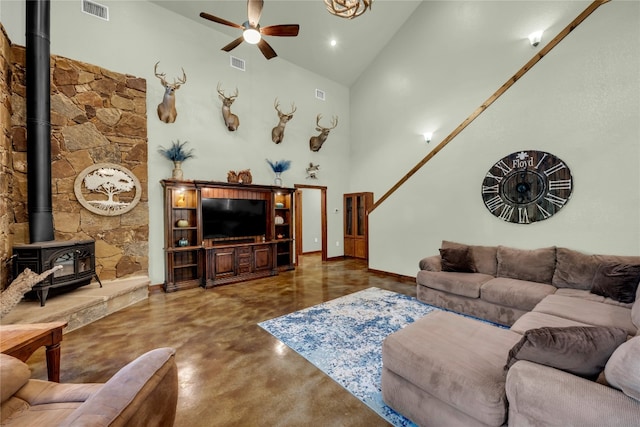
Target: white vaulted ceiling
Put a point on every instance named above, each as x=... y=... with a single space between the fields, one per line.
x=358 y=40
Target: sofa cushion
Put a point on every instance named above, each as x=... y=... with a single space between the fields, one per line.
x=576 y=270
x=535 y=265
x=457 y=259
x=465 y=284
x=484 y=257
x=622 y=371
x=588 y=295
x=535 y=320
x=591 y=312
x=617 y=281
x=579 y=350
x=515 y=293
x=455 y=359
x=14 y=374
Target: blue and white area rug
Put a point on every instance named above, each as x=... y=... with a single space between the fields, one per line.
x=343 y=338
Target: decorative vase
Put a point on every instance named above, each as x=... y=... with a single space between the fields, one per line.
x=278 y=180
x=177 y=170
x=182 y=223
x=183 y=242
x=181 y=202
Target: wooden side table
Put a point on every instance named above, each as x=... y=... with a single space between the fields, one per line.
x=22 y=340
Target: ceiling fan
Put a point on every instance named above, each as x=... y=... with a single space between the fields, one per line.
x=252 y=32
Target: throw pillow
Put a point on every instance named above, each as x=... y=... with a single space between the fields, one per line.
x=616 y=281
x=623 y=368
x=579 y=350
x=457 y=259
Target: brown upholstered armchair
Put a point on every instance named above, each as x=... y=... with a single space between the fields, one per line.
x=143 y=393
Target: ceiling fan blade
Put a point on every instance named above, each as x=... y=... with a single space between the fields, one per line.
x=266 y=49
x=254 y=10
x=233 y=44
x=281 y=30
x=220 y=20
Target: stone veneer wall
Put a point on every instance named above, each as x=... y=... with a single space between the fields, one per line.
x=6 y=165
x=97 y=116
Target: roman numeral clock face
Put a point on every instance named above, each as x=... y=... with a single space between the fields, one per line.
x=527 y=186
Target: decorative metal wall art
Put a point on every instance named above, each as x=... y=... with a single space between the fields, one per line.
x=107 y=189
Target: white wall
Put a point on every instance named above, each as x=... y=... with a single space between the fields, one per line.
x=312 y=220
x=139 y=34
x=581 y=103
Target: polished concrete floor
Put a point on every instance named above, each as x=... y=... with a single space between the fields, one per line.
x=231 y=372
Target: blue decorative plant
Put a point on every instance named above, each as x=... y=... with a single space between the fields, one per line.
x=280 y=165
x=177 y=152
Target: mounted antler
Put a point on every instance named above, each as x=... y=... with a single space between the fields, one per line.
x=315 y=143
x=167 y=109
x=277 y=133
x=231 y=120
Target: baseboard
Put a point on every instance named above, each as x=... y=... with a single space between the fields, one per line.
x=401 y=277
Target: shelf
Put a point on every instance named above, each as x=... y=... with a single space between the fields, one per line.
x=184 y=228
x=185 y=265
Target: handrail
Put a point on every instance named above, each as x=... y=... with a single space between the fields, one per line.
x=521 y=72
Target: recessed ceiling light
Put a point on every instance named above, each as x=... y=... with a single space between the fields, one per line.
x=334 y=42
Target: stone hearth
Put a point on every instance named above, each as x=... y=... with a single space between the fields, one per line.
x=83 y=305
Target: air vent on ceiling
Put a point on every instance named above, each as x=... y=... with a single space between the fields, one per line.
x=95 y=9
x=320 y=94
x=237 y=63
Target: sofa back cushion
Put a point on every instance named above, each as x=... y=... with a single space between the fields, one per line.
x=14 y=374
x=576 y=269
x=534 y=265
x=484 y=257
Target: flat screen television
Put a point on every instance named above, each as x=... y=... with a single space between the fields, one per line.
x=228 y=218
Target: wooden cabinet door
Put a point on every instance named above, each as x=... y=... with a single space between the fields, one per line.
x=224 y=262
x=262 y=258
x=356 y=225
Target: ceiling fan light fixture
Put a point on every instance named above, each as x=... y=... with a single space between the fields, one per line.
x=251 y=35
x=348 y=9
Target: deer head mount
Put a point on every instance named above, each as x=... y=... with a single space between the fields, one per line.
x=315 y=143
x=277 y=133
x=167 y=108
x=230 y=120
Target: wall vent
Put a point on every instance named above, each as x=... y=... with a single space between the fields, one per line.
x=237 y=63
x=95 y=9
x=320 y=94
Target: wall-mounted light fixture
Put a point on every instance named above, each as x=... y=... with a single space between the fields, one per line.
x=535 y=38
x=427 y=136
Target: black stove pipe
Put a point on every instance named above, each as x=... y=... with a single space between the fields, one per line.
x=39 y=197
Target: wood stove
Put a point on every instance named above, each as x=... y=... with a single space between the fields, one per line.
x=77 y=258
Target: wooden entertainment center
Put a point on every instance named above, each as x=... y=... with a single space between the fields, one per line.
x=193 y=260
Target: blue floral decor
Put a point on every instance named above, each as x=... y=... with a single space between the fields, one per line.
x=177 y=154
x=278 y=167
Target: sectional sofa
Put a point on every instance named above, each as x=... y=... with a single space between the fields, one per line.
x=567 y=353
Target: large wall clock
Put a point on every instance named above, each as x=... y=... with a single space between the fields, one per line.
x=527 y=186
